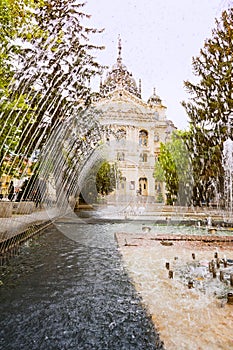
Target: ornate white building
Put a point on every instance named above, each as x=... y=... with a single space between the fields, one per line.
x=137 y=128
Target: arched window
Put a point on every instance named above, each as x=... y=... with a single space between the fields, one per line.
x=123 y=183
x=143 y=138
x=120 y=135
x=120 y=156
x=143 y=186
x=143 y=157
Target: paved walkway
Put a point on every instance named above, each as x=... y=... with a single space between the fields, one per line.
x=19 y=223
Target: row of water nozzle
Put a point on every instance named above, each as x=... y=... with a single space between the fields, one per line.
x=213 y=266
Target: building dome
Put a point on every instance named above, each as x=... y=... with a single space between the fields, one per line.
x=154 y=100
x=119 y=77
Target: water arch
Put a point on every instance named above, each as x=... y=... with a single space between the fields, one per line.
x=71 y=158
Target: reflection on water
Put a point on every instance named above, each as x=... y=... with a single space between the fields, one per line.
x=61 y=293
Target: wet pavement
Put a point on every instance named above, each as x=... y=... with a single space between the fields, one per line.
x=62 y=293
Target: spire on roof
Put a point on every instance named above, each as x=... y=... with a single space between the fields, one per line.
x=140 y=87
x=154 y=99
x=119 y=77
x=119 y=59
x=101 y=82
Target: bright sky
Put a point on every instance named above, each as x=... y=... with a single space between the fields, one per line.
x=159 y=38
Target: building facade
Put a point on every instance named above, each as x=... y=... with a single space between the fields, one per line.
x=137 y=128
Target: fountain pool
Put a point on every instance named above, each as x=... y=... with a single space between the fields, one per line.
x=82 y=271
x=187 y=318
x=60 y=293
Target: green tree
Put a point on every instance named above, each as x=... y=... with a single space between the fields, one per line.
x=12 y=19
x=174 y=168
x=209 y=109
x=53 y=64
x=61 y=63
x=106 y=178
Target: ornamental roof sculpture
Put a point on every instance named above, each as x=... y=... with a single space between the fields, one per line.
x=154 y=100
x=119 y=77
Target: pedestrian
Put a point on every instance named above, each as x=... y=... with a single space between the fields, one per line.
x=11 y=191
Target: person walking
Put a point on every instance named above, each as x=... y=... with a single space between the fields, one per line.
x=11 y=191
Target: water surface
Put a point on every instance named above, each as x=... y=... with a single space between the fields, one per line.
x=63 y=293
